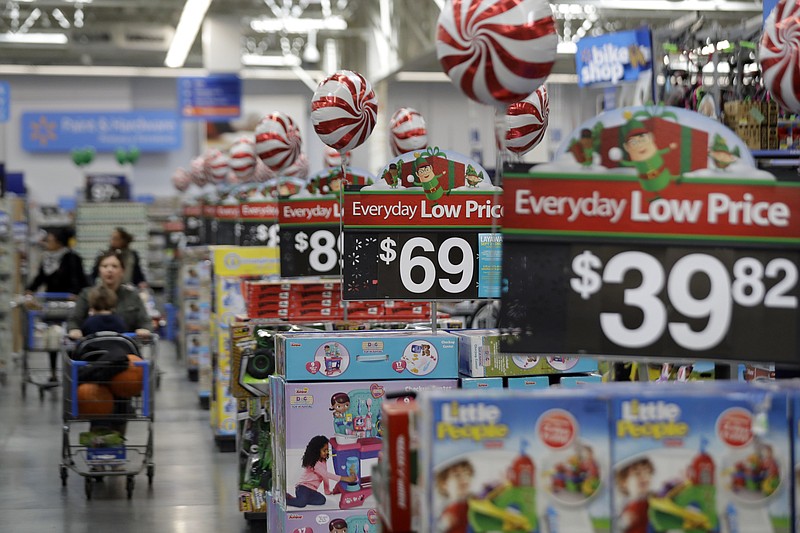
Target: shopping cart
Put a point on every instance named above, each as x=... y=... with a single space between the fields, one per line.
x=109 y=408
x=45 y=315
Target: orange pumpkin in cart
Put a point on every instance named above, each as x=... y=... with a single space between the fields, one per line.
x=94 y=400
x=128 y=383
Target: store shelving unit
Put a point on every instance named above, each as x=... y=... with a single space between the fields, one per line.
x=94 y=223
x=159 y=252
x=13 y=272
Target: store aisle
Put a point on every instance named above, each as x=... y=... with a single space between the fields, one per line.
x=194 y=490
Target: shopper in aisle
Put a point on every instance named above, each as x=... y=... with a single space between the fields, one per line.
x=102 y=303
x=60 y=271
x=121 y=241
x=130 y=308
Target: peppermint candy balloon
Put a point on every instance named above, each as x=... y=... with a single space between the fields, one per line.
x=232 y=178
x=197 y=170
x=299 y=169
x=496 y=51
x=407 y=131
x=262 y=173
x=333 y=158
x=243 y=159
x=277 y=141
x=526 y=122
x=344 y=110
x=779 y=54
x=217 y=165
x=181 y=179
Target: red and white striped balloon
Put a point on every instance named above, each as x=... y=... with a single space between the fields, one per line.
x=197 y=170
x=243 y=159
x=344 y=110
x=526 y=122
x=496 y=51
x=181 y=179
x=232 y=178
x=277 y=141
x=298 y=169
x=217 y=165
x=407 y=131
x=779 y=54
x=333 y=158
x=263 y=173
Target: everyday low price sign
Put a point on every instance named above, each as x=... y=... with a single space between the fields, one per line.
x=437 y=239
x=709 y=270
x=310 y=236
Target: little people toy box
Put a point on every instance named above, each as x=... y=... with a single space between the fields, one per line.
x=516 y=462
x=479 y=357
x=326 y=439
x=701 y=459
x=354 y=355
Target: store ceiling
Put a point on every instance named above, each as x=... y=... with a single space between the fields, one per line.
x=137 y=33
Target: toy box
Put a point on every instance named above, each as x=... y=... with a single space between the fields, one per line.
x=313 y=521
x=536 y=382
x=479 y=356
x=570 y=382
x=724 y=467
x=481 y=383
x=197 y=348
x=336 y=430
x=515 y=462
x=366 y=355
x=255 y=454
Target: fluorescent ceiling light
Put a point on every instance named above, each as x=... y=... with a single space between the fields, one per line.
x=255 y=60
x=297 y=25
x=661 y=5
x=194 y=11
x=566 y=48
x=33 y=38
x=438 y=77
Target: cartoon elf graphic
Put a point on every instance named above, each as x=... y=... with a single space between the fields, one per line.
x=472 y=177
x=427 y=178
x=721 y=155
x=640 y=144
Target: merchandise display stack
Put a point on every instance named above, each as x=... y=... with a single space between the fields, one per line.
x=94 y=222
x=161 y=246
x=194 y=294
x=325 y=402
x=13 y=251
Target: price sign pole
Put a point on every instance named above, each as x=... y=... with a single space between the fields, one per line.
x=423 y=232
x=706 y=270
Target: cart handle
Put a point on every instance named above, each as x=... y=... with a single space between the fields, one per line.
x=55 y=295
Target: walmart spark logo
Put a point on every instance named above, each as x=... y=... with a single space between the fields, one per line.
x=43 y=131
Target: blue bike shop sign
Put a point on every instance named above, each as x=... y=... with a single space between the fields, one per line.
x=149 y=131
x=614 y=58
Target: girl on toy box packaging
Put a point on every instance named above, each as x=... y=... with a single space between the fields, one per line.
x=315 y=472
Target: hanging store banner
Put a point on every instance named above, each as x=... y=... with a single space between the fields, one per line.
x=428 y=229
x=667 y=244
x=210 y=97
x=148 y=131
x=614 y=58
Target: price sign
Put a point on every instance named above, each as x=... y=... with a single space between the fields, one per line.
x=709 y=270
x=310 y=236
x=259 y=224
x=209 y=227
x=228 y=227
x=106 y=188
x=696 y=302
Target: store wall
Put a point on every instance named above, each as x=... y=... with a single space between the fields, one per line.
x=450 y=117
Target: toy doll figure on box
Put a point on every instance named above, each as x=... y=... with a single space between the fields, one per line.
x=337 y=525
x=633 y=482
x=453 y=482
x=315 y=472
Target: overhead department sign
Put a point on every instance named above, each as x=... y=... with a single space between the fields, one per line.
x=613 y=58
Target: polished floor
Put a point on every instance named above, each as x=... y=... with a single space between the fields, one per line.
x=194 y=488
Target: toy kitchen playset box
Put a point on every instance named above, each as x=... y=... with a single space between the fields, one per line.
x=514 y=462
x=327 y=435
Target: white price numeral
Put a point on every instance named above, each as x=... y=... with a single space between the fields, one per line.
x=409 y=263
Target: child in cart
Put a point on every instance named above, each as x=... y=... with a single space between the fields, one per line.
x=102 y=303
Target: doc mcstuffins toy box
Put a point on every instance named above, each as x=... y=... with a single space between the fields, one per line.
x=703 y=458
x=355 y=355
x=517 y=462
x=313 y=521
x=326 y=439
x=479 y=357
